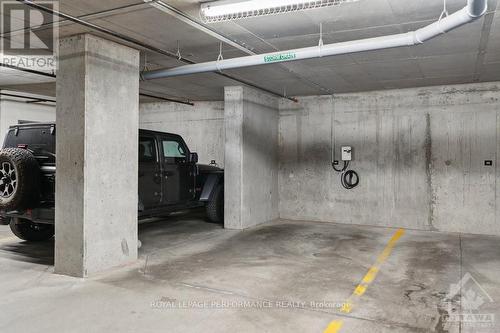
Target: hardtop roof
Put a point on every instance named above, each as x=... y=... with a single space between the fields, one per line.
x=50 y=124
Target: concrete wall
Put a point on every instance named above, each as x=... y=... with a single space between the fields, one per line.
x=14 y=109
x=201 y=126
x=420 y=155
x=251 y=158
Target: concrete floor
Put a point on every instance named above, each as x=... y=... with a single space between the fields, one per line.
x=196 y=267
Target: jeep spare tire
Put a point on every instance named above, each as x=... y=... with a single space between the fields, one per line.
x=19 y=179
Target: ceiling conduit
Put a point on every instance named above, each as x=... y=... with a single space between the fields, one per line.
x=474 y=10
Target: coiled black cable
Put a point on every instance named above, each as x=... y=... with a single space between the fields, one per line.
x=349 y=178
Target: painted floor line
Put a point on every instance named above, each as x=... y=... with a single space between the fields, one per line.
x=369 y=277
x=334 y=326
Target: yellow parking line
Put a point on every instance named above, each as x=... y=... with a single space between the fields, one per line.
x=361 y=288
x=370 y=276
x=334 y=326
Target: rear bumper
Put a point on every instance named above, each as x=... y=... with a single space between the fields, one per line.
x=38 y=215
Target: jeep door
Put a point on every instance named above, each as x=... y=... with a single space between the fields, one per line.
x=149 y=173
x=178 y=173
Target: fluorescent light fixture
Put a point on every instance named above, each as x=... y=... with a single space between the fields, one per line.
x=227 y=10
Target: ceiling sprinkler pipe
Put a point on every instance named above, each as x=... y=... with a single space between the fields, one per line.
x=477 y=8
x=474 y=10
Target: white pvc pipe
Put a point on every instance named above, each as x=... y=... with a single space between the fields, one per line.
x=474 y=10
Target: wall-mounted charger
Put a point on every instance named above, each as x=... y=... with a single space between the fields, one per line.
x=349 y=178
x=346 y=153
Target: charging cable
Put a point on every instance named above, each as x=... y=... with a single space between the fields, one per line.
x=349 y=178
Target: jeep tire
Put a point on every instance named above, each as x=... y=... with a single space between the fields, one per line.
x=19 y=179
x=215 y=206
x=29 y=231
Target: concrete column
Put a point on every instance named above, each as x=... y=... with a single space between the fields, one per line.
x=251 y=158
x=97 y=149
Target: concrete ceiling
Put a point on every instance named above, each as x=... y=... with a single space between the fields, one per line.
x=14 y=77
x=468 y=54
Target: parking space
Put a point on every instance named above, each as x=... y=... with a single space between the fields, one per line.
x=288 y=275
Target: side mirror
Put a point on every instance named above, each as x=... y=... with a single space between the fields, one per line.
x=193 y=158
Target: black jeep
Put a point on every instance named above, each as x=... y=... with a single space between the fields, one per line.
x=170 y=179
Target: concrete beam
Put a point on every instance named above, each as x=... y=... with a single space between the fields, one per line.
x=97 y=147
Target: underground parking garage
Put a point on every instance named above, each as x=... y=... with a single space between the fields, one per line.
x=258 y=166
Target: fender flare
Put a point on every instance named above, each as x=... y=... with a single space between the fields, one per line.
x=211 y=183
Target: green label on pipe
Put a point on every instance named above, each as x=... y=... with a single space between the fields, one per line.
x=280 y=57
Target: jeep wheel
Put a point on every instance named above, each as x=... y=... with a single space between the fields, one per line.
x=215 y=206
x=19 y=179
x=29 y=231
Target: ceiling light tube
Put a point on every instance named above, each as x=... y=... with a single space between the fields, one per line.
x=226 y=10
